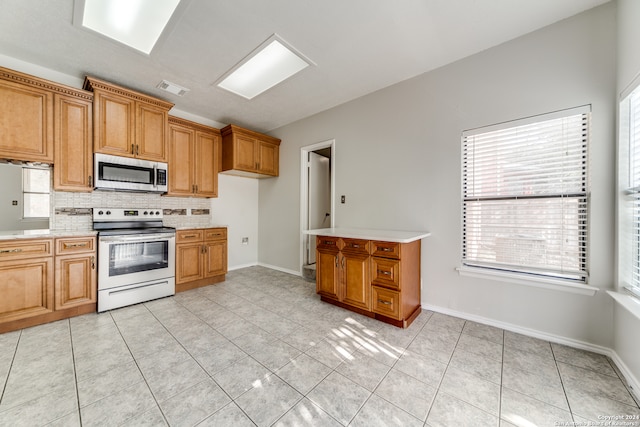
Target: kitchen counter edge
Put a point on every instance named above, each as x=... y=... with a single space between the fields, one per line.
x=368 y=234
x=43 y=234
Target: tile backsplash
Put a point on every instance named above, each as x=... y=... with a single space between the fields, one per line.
x=71 y=213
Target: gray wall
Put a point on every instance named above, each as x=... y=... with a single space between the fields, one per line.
x=11 y=189
x=627 y=324
x=398 y=163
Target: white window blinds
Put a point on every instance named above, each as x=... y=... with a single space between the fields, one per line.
x=634 y=183
x=525 y=196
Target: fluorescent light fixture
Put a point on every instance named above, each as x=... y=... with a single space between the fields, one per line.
x=136 y=23
x=271 y=63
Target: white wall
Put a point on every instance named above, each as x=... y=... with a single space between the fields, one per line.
x=626 y=324
x=237 y=208
x=398 y=163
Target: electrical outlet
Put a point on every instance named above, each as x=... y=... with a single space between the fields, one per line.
x=245 y=240
x=343 y=199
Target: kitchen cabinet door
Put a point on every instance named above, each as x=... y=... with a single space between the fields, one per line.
x=327 y=273
x=215 y=258
x=245 y=157
x=181 y=157
x=73 y=156
x=268 y=158
x=76 y=280
x=206 y=164
x=26 y=286
x=355 y=279
x=114 y=124
x=26 y=122
x=189 y=262
x=151 y=132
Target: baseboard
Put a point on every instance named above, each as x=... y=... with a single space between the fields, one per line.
x=632 y=381
x=284 y=270
x=238 y=267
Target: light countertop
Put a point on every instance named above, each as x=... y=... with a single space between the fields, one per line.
x=198 y=227
x=361 y=233
x=42 y=234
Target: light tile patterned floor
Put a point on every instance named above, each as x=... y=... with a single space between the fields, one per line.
x=262 y=349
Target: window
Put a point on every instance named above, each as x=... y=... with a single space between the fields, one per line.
x=525 y=196
x=35 y=192
x=630 y=134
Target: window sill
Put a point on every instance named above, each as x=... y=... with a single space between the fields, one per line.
x=544 y=283
x=631 y=303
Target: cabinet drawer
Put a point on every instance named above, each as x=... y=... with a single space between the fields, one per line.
x=185 y=236
x=385 y=272
x=72 y=245
x=324 y=242
x=356 y=246
x=385 y=249
x=386 y=302
x=215 y=234
x=19 y=248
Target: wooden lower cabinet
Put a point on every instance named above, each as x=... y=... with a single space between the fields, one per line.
x=377 y=279
x=201 y=257
x=76 y=273
x=43 y=280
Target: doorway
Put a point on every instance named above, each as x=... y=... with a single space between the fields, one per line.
x=317 y=198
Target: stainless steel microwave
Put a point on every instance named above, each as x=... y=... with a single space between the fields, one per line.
x=127 y=174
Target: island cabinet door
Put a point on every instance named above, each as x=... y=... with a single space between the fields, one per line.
x=355 y=276
x=327 y=273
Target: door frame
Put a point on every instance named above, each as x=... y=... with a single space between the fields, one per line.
x=304 y=190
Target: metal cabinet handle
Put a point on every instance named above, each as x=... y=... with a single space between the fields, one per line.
x=75 y=245
x=384 y=273
x=133 y=151
x=189 y=236
x=354 y=245
x=386 y=249
x=384 y=302
x=137 y=149
x=342 y=262
x=6 y=251
x=336 y=261
x=90 y=181
x=93 y=263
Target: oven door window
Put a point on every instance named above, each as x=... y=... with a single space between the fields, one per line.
x=127 y=258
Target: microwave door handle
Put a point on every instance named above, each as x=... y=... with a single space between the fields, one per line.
x=155 y=176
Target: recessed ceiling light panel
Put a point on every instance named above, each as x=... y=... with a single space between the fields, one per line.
x=136 y=23
x=271 y=63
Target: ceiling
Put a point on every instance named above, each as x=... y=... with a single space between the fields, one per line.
x=358 y=46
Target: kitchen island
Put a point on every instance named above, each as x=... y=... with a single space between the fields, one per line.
x=372 y=272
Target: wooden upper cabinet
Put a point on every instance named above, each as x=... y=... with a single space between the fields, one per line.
x=194 y=153
x=128 y=123
x=151 y=132
x=249 y=153
x=26 y=117
x=73 y=156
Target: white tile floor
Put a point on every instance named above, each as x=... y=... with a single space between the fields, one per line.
x=262 y=349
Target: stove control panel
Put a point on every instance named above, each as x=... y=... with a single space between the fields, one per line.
x=118 y=214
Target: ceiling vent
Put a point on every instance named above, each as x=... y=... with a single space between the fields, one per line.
x=172 y=88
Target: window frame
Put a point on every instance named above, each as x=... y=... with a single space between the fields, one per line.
x=550 y=278
x=25 y=217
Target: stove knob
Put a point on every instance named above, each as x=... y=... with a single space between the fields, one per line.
x=100 y=212
x=157 y=212
x=151 y=213
x=146 y=213
x=108 y=212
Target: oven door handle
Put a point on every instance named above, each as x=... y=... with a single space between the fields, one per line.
x=138 y=238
